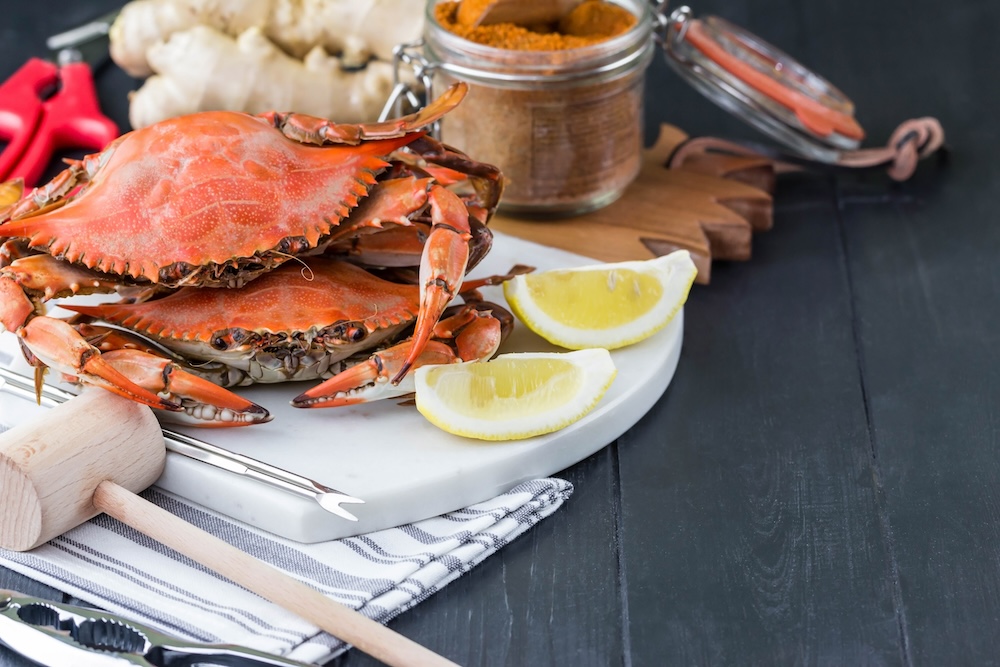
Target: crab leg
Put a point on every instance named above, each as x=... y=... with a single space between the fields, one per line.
x=477 y=333
x=55 y=193
x=478 y=337
x=313 y=130
x=395 y=247
x=204 y=404
x=389 y=202
x=107 y=339
x=486 y=180
x=382 y=234
x=442 y=268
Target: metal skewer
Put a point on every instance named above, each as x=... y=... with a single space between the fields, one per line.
x=327 y=498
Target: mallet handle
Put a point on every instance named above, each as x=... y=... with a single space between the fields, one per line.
x=363 y=633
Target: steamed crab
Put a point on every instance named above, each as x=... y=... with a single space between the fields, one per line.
x=224 y=200
x=326 y=318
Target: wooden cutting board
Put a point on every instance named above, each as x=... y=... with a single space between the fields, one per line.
x=709 y=206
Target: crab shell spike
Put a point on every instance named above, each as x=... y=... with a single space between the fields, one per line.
x=369 y=380
x=59 y=346
x=205 y=404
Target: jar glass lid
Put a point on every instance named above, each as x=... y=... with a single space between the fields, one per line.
x=761 y=85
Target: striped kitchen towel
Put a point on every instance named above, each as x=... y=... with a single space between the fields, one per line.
x=381 y=574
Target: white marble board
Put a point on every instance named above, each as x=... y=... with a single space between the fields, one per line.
x=405 y=468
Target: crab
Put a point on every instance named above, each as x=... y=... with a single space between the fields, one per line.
x=322 y=319
x=225 y=199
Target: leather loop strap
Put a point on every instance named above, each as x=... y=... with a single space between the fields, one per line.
x=910 y=142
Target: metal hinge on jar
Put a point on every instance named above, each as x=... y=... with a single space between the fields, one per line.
x=413 y=83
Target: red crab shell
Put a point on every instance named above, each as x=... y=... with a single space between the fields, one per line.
x=282 y=302
x=205 y=189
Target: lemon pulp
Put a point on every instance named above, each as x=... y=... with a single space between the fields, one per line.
x=504 y=388
x=595 y=299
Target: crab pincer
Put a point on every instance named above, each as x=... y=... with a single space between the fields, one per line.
x=473 y=333
x=202 y=403
x=59 y=346
x=442 y=268
x=369 y=380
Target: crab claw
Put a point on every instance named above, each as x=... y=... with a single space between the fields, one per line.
x=475 y=332
x=203 y=403
x=369 y=380
x=15 y=306
x=59 y=346
x=46 y=277
x=442 y=268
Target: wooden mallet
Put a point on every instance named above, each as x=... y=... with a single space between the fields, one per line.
x=92 y=454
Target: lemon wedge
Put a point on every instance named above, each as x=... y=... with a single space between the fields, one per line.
x=603 y=305
x=515 y=395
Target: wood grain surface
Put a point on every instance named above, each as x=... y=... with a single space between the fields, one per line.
x=819 y=485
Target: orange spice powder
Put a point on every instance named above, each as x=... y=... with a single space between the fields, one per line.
x=595 y=18
x=469 y=11
x=590 y=22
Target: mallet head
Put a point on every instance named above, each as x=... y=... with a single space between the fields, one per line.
x=51 y=464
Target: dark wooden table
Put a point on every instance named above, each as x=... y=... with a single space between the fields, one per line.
x=820 y=483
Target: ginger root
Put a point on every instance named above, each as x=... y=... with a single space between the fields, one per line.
x=202 y=69
x=354 y=29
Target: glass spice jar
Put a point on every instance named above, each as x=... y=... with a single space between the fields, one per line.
x=564 y=126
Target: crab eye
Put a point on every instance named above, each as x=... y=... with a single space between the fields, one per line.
x=347 y=332
x=227 y=339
